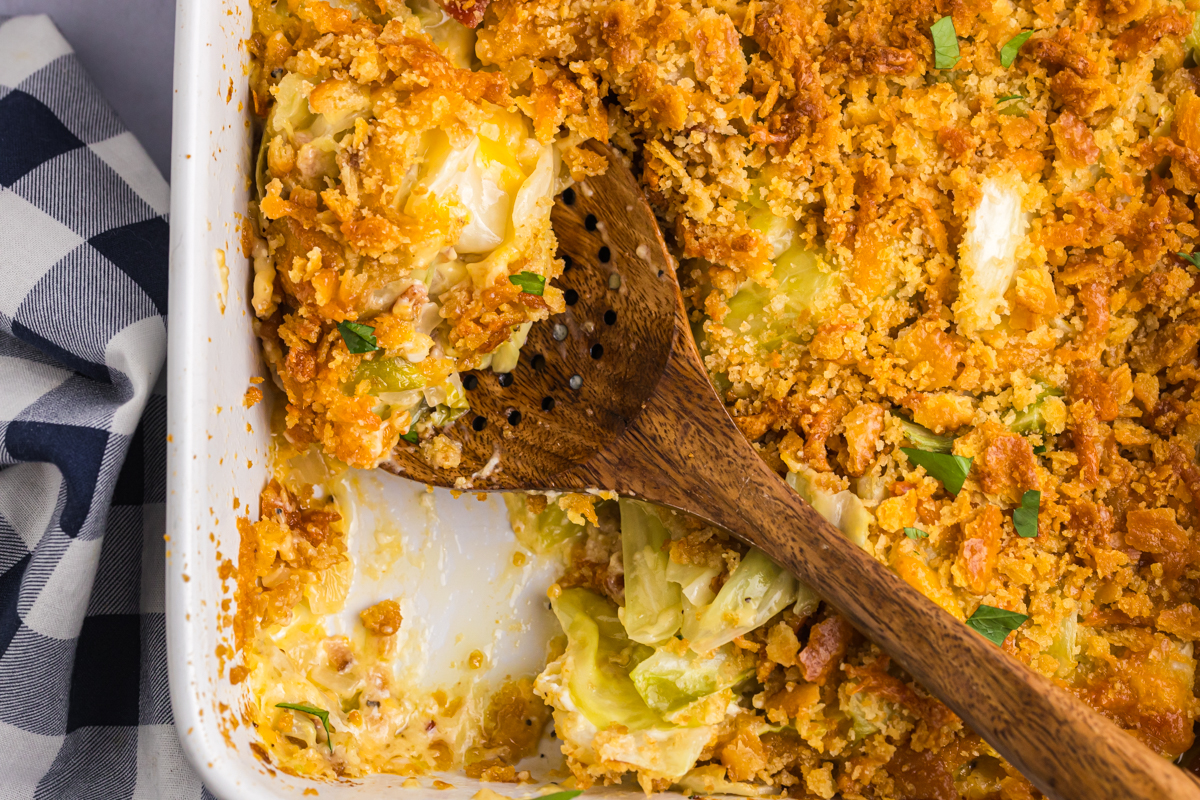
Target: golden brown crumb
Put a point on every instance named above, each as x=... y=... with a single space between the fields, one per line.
x=253 y=397
x=383 y=618
x=442 y=452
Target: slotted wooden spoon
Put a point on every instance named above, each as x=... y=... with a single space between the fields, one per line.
x=612 y=395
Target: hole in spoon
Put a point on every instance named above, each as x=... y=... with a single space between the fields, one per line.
x=569 y=196
x=610 y=317
x=576 y=382
x=570 y=297
x=589 y=222
x=470 y=382
x=597 y=351
x=505 y=379
x=538 y=362
x=605 y=255
x=478 y=423
x=547 y=403
x=514 y=417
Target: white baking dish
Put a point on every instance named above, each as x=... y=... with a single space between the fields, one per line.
x=455 y=575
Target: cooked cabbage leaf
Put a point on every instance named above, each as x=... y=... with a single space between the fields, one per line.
x=541 y=532
x=756 y=591
x=695 y=581
x=842 y=509
x=1063 y=646
x=1030 y=419
x=988 y=254
x=926 y=439
x=599 y=658
x=669 y=682
x=806 y=287
x=389 y=375
x=653 y=604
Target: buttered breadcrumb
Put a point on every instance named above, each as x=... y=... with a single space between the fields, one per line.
x=991 y=260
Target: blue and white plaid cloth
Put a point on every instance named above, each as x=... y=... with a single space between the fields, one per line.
x=84 y=707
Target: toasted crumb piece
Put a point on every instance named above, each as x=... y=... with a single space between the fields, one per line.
x=253 y=397
x=943 y=411
x=827 y=643
x=782 y=645
x=496 y=771
x=442 y=452
x=383 y=618
x=580 y=508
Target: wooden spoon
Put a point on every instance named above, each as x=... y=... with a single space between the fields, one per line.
x=612 y=395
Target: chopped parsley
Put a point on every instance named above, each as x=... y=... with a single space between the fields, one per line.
x=945 y=44
x=530 y=282
x=1025 y=518
x=995 y=624
x=1040 y=449
x=1191 y=258
x=568 y=794
x=1009 y=97
x=316 y=712
x=916 y=533
x=411 y=437
x=359 y=338
x=1008 y=53
x=950 y=470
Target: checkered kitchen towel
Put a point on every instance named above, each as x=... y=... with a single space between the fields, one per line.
x=84 y=707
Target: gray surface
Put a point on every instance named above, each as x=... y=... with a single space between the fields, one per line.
x=126 y=46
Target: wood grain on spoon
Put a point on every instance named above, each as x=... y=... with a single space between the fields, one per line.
x=612 y=395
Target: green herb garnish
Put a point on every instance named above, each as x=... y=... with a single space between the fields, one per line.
x=1008 y=53
x=1191 y=258
x=1008 y=97
x=568 y=794
x=316 y=712
x=945 y=44
x=916 y=533
x=1025 y=518
x=1040 y=449
x=359 y=338
x=530 y=282
x=995 y=624
x=950 y=470
x=411 y=437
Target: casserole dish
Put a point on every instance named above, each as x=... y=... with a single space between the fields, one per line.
x=1029 y=416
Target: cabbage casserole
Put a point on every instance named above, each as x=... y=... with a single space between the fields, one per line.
x=940 y=260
